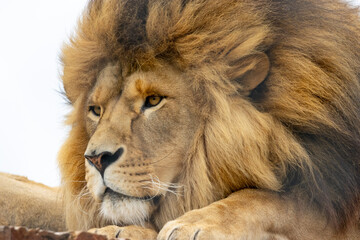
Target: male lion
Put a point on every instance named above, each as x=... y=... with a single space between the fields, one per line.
x=201 y=119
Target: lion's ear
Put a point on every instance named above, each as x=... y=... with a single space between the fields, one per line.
x=249 y=71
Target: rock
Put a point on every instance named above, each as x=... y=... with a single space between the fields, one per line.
x=22 y=233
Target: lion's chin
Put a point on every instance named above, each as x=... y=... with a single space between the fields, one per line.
x=125 y=210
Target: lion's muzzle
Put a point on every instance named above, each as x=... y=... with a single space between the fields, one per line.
x=103 y=160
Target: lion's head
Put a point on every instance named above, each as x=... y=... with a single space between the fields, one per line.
x=176 y=105
x=141 y=129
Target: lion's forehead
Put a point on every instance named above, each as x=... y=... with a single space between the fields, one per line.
x=111 y=83
x=108 y=84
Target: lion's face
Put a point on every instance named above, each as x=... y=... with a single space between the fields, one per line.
x=140 y=129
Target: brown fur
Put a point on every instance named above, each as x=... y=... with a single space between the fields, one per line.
x=298 y=133
x=31 y=204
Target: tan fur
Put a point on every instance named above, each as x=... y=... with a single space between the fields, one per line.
x=128 y=232
x=27 y=203
x=258 y=94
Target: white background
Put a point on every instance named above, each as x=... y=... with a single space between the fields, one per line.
x=31 y=109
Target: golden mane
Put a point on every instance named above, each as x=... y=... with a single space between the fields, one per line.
x=301 y=125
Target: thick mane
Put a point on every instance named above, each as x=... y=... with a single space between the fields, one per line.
x=298 y=132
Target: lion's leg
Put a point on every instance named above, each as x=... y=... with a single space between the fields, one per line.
x=249 y=214
x=128 y=232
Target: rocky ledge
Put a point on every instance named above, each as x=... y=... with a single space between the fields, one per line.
x=22 y=233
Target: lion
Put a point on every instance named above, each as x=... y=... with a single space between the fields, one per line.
x=27 y=203
x=200 y=119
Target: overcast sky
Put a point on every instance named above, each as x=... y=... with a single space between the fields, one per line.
x=32 y=111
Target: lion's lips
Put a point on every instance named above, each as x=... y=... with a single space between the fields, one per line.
x=112 y=193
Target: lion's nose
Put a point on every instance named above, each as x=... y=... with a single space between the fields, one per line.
x=103 y=160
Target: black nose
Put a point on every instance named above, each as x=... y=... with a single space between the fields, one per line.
x=103 y=160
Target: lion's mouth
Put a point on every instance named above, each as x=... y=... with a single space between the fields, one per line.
x=113 y=194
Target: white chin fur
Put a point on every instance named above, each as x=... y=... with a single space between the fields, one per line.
x=125 y=211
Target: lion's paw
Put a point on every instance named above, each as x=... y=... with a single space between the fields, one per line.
x=198 y=227
x=128 y=232
x=180 y=230
x=108 y=231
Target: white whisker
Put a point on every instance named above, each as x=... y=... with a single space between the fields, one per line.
x=156 y=185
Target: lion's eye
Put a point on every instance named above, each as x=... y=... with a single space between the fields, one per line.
x=96 y=110
x=152 y=101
